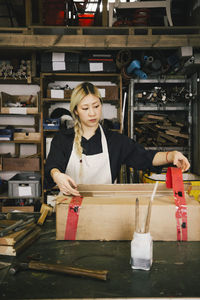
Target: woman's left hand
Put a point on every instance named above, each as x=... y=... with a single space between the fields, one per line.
x=179 y=160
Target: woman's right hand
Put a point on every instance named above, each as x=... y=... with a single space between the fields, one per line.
x=65 y=184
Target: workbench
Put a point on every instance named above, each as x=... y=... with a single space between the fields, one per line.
x=175 y=271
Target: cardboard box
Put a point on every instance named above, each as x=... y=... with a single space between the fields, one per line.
x=108 y=213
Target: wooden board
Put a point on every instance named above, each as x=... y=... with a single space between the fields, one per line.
x=97 y=41
x=21 y=245
x=14 y=237
x=21 y=164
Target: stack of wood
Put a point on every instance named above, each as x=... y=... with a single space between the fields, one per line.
x=158 y=130
x=16 y=241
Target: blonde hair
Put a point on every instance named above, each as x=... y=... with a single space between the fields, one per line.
x=78 y=94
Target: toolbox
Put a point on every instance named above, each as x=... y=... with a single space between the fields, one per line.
x=24 y=185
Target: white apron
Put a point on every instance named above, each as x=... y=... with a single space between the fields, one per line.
x=95 y=168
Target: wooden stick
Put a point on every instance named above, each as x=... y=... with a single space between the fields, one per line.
x=149 y=208
x=58 y=268
x=137 y=215
x=98 y=274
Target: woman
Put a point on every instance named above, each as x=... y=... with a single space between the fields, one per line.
x=89 y=154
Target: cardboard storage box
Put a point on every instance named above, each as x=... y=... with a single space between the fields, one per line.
x=28 y=104
x=21 y=164
x=107 y=212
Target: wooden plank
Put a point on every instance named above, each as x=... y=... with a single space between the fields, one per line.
x=28 y=12
x=21 y=245
x=104 y=13
x=25 y=208
x=97 y=41
x=178 y=134
x=14 y=237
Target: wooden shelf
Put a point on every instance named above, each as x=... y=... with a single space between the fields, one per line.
x=21 y=142
x=5 y=196
x=98 y=38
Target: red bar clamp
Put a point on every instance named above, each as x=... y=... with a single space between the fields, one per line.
x=72 y=218
x=174 y=180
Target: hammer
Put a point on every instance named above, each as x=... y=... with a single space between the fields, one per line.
x=58 y=268
x=45 y=210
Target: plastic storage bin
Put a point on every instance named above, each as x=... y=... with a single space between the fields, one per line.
x=24 y=185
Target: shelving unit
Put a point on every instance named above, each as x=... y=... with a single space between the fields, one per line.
x=21 y=151
x=74 y=78
x=161 y=106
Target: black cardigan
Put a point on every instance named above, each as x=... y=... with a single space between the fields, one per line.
x=122 y=150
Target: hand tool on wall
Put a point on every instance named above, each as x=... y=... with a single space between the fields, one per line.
x=45 y=210
x=58 y=268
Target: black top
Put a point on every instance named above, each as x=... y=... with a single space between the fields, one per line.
x=121 y=149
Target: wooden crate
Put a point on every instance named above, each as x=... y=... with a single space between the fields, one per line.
x=109 y=92
x=107 y=212
x=27 y=136
x=21 y=164
x=59 y=94
x=29 y=102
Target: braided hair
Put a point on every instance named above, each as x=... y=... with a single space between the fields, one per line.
x=81 y=91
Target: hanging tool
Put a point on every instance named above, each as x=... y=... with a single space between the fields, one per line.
x=58 y=268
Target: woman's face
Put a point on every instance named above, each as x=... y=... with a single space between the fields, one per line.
x=89 y=111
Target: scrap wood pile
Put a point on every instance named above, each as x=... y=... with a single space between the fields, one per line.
x=16 y=235
x=160 y=130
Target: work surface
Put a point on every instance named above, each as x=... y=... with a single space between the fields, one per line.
x=175 y=271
